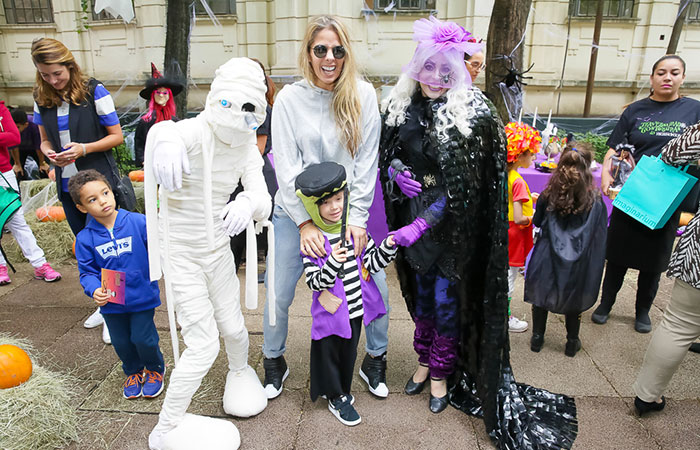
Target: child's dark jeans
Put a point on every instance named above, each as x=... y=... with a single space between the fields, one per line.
x=135 y=339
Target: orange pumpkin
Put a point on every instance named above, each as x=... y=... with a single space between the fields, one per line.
x=15 y=366
x=51 y=214
x=136 y=175
x=73 y=247
x=52 y=174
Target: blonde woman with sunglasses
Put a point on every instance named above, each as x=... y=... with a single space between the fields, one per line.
x=330 y=115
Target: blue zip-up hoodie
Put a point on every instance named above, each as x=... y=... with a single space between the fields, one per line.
x=125 y=249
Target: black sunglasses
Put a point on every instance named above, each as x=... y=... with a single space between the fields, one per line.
x=321 y=51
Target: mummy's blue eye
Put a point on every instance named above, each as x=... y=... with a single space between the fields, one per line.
x=225 y=103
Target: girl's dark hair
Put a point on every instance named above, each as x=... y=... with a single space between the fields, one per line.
x=664 y=58
x=571 y=189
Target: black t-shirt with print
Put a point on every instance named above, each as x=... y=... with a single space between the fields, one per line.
x=649 y=125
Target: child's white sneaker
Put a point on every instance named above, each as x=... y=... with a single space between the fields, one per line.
x=95 y=320
x=516 y=325
x=105 y=334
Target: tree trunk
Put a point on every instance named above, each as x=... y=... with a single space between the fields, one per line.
x=594 y=59
x=177 y=46
x=678 y=27
x=506 y=32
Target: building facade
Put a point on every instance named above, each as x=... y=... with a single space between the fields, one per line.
x=557 y=41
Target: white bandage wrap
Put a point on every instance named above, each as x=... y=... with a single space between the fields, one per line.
x=199 y=171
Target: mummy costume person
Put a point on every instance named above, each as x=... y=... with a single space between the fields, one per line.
x=443 y=147
x=198 y=163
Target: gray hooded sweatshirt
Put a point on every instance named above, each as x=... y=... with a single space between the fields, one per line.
x=304 y=133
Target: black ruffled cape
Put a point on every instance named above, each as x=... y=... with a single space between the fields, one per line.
x=475 y=234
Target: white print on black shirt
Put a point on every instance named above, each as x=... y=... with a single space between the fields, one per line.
x=107 y=250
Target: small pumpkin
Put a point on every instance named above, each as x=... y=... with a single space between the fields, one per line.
x=74 y=247
x=15 y=366
x=136 y=175
x=51 y=214
x=52 y=174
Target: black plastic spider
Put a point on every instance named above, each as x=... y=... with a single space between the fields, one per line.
x=514 y=77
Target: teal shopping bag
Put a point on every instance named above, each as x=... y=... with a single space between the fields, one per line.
x=654 y=191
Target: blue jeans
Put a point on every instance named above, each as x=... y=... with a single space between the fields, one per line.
x=288 y=269
x=135 y=339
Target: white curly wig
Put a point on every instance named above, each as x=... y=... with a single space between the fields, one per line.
x=457 y=111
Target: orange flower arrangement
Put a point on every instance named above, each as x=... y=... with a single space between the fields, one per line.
x=522 y=138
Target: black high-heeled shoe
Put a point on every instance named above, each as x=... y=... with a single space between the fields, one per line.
x=413 y=388
x=437 y=404
x=643 y=407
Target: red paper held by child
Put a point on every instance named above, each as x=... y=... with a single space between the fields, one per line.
x=114 y=283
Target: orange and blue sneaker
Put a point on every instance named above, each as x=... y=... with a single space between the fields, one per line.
x=153 y=383
x=133 y=386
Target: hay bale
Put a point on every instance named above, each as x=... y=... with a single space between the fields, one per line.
x=55 y=238
x=39 y=413
x=140 y=200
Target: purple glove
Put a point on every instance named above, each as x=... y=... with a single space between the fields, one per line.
x=410 y=187
x=408 y=235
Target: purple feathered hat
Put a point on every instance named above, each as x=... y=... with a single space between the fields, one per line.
x=439 y=57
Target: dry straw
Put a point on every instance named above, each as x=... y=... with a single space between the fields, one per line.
x=39 y=413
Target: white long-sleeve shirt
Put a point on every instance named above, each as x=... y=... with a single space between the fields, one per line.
x=304 y=133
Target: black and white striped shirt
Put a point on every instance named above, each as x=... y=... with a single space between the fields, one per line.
x=321 y=278
x=685 y=261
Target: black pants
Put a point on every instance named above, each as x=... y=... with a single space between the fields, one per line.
x=647 y=286
x=539 y=322
x=333 y=363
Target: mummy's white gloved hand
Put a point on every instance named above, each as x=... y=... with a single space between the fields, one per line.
x=236 y=215
x=169 y=159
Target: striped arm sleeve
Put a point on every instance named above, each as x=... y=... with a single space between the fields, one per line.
x=36 y=118
x=377 y=258
x=684 y=149
x=104 y=104
x=320 y=278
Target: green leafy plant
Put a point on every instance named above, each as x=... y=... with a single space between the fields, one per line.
x=83 y=16
x=123 y=158
x=598 y=141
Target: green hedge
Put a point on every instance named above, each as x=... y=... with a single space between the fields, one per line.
x=598 y=141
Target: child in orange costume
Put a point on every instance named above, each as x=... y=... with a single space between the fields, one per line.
x=523 y=142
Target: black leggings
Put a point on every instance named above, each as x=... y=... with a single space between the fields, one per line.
x=647 y=286
x=539 y=322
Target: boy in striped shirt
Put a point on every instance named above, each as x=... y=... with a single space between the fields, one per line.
x=344 y=291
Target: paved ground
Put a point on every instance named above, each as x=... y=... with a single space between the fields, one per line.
x=599 y=377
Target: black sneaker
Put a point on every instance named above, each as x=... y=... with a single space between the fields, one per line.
x=342 y=409
x=276 y=371
x=373 y=371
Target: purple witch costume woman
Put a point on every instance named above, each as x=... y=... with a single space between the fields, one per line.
x=443 y=160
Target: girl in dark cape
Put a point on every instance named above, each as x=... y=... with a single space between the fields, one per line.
x=566 y=266
x=444 y=148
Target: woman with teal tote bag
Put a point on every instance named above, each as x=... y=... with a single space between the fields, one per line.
x=648 y=125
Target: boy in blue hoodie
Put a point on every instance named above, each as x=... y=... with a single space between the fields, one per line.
x=115 y=239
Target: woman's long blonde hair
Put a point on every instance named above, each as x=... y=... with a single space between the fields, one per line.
x=50 y=51
x=345 y=102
